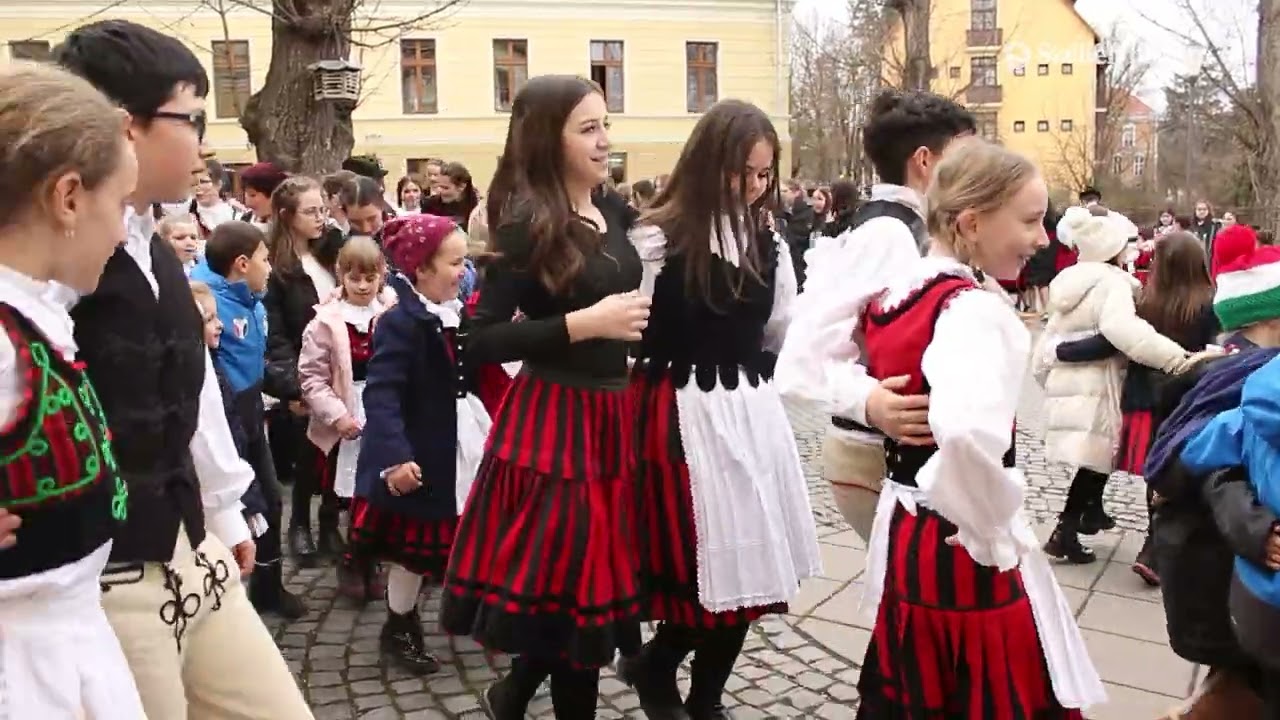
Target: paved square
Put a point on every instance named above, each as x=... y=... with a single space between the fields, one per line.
x=804 y=664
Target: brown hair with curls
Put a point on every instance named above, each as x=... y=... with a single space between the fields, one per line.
x=284 y=206
x=528 y=187
x=52 y=123
x=703 y=187
x=1179 y=288
x=974 y=175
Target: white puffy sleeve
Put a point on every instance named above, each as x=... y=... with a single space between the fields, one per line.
x=651 y=245
x=819 y=360
x=785 y=289
x=223 y=476
x=975 y=366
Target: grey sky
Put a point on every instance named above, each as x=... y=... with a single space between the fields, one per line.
x=1233 y=22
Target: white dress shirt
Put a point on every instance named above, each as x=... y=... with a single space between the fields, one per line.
x=223 y=476
x=821 y=360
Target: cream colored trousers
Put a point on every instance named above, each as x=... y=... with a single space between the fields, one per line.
x=856 y=471
x=195 y=644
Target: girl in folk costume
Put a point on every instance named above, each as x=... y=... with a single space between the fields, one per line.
x=333 y=367
x=544 y=565
x=713 y=432
x=970 y=621
x=65 y=172
x=423 y=433
x=208 y=207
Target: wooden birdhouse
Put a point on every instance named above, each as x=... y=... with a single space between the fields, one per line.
x=336 y=80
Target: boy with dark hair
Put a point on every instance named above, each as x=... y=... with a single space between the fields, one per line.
x=906 y=136
x=795 y=223
x=236 y=270
x=182 y=618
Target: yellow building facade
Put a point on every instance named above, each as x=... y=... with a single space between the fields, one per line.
x=1029 y=69
x=444 y=90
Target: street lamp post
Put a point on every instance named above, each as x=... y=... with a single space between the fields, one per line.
x=1194 y=62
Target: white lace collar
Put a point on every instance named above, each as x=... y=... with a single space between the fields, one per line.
x=360 y=316
x=450 y=313
x=32 y=298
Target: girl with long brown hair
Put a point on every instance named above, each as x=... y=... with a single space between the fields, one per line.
x=713 y=431
x=543 y=564
x=1178 y=303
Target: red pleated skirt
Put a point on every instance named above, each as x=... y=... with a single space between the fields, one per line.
x=1135 y=441
x=668 y=538
x=419 y=546
x=953 y=640
x=544 y=561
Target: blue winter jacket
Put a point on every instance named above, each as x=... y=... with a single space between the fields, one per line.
x=1247 y=436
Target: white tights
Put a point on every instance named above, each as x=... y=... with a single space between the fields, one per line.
x=402 y=589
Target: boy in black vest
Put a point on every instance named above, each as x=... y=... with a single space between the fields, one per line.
x=905 y=137
x=171 y=591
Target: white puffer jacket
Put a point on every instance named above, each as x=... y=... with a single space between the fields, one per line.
x=1082 y=400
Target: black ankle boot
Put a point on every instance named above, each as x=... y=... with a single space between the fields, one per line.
x=268 y=594
x=302 y=546
x=652 y=673
x=402 y=644
x=710 y=669
x=1095 y=519
x=508 y=698
x=331 y=542
x=1064 y=544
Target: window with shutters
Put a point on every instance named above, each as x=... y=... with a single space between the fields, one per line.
x=232 y=84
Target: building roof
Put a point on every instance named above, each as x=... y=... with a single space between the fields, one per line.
x=1136 y=108
x=1072 y=4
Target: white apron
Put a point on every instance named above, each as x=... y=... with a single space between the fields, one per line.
x=473 y=430
x=344 y=476
x=59 y=657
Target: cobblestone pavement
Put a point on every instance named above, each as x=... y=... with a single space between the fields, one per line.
x=801 y=665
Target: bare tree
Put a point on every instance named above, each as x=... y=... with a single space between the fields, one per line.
x=283 y=120
x=1253 y=97
x=917 y=63
x=1127 y=71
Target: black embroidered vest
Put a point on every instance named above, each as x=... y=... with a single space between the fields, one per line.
x=146 y=357
x=57 y=470
x=690 y=338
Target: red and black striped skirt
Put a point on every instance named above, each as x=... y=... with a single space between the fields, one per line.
x=953 y=639
x=323 y=468
x=1135 y=441
x=668 y=538
x=419 y=546
x=544 y=561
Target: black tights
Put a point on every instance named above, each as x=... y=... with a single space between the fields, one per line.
x=1085 y=492
x=715 y=651
x=573 y=690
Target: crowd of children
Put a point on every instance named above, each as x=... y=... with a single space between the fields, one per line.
x=592 y=434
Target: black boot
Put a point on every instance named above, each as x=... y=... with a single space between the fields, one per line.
x=1145 y=564
x=1064 y=544
x=652 y=672
x=331 y=543
x=353 y=580
x=268 y=594
x=402 y=644
x=574 y=692
x=1095 y=519
x=302 y=546
x=508 y=698
x=710 y=669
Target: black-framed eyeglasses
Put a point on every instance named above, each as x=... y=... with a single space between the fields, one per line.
x=197 y=120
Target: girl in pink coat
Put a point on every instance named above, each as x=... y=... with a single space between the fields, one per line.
x=336 y=346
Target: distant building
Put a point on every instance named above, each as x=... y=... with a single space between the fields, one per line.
x=1136 y=155
x=446 y=91
x=1031 y=70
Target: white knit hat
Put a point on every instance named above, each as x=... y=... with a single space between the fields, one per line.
x=1098 y=238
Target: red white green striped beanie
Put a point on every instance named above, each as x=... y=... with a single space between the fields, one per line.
x=1249 y=289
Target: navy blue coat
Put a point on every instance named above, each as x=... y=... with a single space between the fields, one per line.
x=411 y=410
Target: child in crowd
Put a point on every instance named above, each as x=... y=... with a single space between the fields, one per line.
x=183 y=235
x=1082 y=400
x=332 y=367
x=423 y=434
x=236 y=269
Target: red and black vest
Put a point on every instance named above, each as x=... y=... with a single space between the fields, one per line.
x=895 y=341
x=59 y=472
